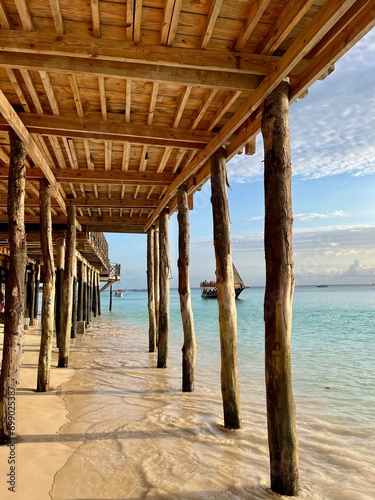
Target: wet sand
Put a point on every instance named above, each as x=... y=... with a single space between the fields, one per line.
x=39 y=450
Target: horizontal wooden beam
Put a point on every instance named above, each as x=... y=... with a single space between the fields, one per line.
x=107 y=227
x=93 y=127
x=112 y=203
x=102 y=49
x=135 y=71
x=105 y=220
x=92 y=203
x=86 y=176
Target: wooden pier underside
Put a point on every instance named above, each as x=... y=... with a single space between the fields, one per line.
x=119 y=103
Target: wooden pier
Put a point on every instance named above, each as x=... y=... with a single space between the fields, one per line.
x=108 y=110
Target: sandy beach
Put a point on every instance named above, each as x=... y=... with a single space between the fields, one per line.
x=39 y=450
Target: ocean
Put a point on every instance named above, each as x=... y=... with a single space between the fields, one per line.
x=144 y=438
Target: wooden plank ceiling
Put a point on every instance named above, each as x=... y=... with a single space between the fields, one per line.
x=120 y=102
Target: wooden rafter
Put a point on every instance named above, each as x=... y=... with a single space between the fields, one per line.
x=210 y=23
x=256 y=12
x=32 y=149
x=95 y=14
x=24 y=13
x=289 y=18
x=33 y=93
x=57 y=16
x=5 y=21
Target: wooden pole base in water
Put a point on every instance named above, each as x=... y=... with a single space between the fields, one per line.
x=225 y=293
x=189 y=348
x=164 y=269
x=282 y=435
x=150 y=291
x=68 y=288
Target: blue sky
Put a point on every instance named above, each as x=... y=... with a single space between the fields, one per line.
x=333 y=158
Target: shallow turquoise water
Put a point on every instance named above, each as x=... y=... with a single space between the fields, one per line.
x=144 y=438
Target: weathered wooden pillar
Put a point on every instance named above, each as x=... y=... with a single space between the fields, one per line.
x=189 y=349
x=48 y=298
x=150 y=291
x=70 y=256
x=80 y=271
x=88 y=296
x=36 y=294
x=225 y=293
x=84 y=303
x=60 y=254
x=164 y=269
x=156 y=280
x=15 y=289
x=282 y=435
x=99 y=300
x=110 y=297
x=30 y=294
x=74 y=304
x=94 y=295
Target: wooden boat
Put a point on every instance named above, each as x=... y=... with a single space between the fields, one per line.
x=119 y=293
x=209 y=288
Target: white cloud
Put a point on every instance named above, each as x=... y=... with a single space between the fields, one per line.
x=333 y=128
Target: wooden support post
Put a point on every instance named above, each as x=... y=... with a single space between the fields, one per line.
x=189 y=349
x=80 y=272
x=30 y=301
x=88 y=296
x=150 y=291
x=68 y=287
x=74 y=305
x=282 y=435
x=225 y=293
x=164 y=269
x=84 y=303
x=94 y=295
x=60 y=254
x=48 y=298
x=15 y=290
x=98 y=292
x=156 y=280
x=36 y=294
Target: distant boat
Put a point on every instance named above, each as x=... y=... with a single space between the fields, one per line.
x=119 y=293
x=209 y=288
x=321 y=286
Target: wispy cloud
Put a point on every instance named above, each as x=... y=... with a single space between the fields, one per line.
x=309 y=216
x=326 y=240
x=333 y=128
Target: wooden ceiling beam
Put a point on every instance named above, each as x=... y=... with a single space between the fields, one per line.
x=112 y=203
x=96 y=128
x=138 y=72
x=101 y=49
x=104 y=203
